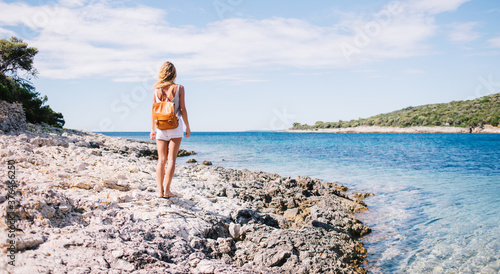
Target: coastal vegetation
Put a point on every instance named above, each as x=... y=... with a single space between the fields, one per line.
x=16 y=69
x=471 y=113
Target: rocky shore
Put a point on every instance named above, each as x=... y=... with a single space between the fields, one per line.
x=86 y=203
x=377 y=129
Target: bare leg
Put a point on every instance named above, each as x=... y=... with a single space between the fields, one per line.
x=162 y=147
x=173 y=149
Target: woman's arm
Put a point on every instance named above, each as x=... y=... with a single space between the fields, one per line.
x=184 y=111
x=152 y=135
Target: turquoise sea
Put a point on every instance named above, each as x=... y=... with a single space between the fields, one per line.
x=437 y=196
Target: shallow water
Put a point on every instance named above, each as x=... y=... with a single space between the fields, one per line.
x=436 y=199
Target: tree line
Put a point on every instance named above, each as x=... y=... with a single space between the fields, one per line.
x=471 y=113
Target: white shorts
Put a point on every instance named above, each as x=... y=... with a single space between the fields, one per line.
x=167 y=134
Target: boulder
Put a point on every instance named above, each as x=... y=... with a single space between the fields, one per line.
x=183 y=152
x=116 y=184
x=12 y=117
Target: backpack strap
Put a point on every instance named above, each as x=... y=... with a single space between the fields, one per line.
x=157 y=98
x=169 y=96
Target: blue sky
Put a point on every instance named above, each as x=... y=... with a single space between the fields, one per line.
x=256 y=65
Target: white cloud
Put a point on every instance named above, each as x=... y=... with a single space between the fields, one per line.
x=5 y=33
x=434 y=6
x=413 y=71
x=494 y=42
x=493 y=10
x=463 y=32
x=82 y=39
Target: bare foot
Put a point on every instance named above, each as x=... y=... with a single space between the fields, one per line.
x=169 y=195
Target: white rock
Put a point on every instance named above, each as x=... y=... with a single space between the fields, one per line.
x=235 y=230
x=82 y=143
x=122 y=176
x=224 y=245
x=23 y=138
x=64 y=208
x=82 y=166
x=137 y=195
x=120 y=198
x=117 y=253
x=115 y=184
x=99 y=187
x=205 y=266
x=124 y=265
x=64 y=175
x=142 y=187
x=83 y=184
x=28 y=242
x=47 y=211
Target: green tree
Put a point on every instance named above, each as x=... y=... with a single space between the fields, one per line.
x=16 y=56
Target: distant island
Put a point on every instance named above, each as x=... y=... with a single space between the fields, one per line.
x=481 y=115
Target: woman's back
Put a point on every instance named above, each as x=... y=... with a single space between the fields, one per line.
x=161 y=95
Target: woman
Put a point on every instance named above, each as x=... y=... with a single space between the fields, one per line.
x=168 y=141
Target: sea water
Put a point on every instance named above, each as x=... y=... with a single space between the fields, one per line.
x=437 y=196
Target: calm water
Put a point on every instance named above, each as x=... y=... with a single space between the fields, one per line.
x=437 y=196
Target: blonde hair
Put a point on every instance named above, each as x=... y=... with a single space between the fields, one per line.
x=167 y=75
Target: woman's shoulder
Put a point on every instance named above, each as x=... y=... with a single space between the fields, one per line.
x=181 y=87
x=157 y=92
x=160 y=90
